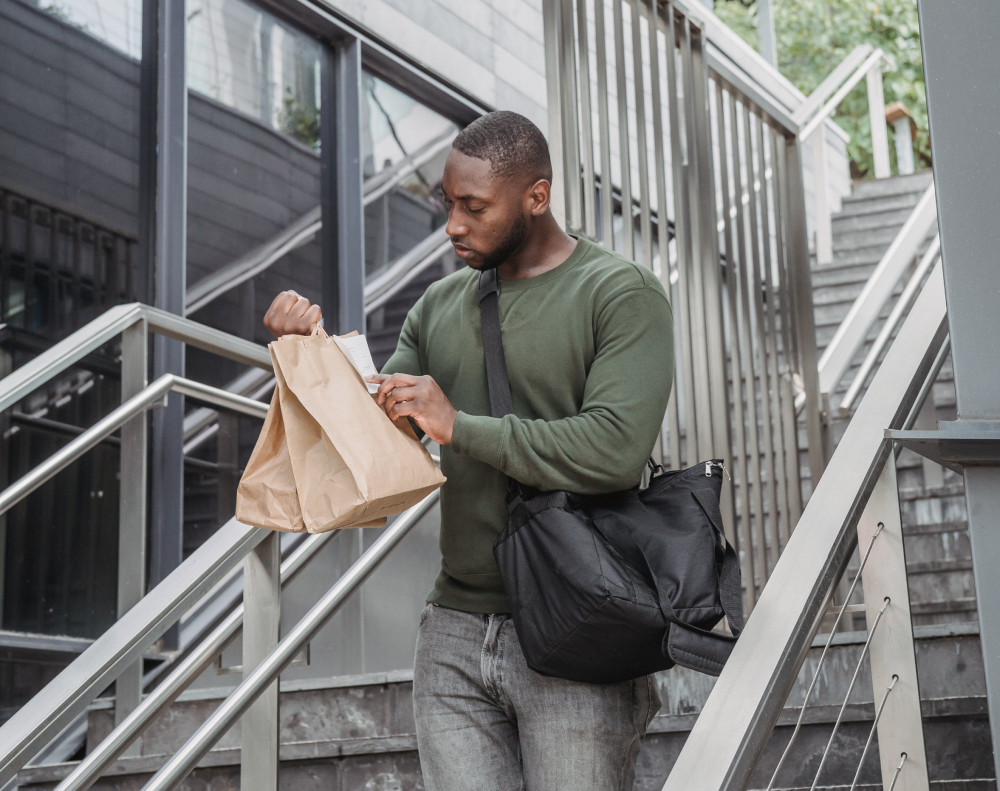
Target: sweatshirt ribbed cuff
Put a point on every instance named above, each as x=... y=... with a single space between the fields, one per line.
x=479 y=437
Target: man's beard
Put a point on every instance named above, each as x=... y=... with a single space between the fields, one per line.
x=515 y=235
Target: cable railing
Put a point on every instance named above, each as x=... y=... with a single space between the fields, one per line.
x=856 y=501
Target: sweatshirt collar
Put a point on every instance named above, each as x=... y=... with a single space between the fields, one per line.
x=582 y=248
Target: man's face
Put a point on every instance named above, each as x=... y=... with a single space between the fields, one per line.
x=487 y=217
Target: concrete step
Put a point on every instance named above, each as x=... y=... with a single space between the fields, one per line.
x=894 y=185
x=357 y=733
x=875 y=217
x=852 y=207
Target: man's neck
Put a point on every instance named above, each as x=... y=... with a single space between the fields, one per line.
x=545 y=248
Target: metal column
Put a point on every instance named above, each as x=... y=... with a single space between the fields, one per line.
x=959 y=39
x=261 y=623
x=343 y=236
x=170 y=279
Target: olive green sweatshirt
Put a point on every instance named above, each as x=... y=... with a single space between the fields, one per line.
x=589 y=351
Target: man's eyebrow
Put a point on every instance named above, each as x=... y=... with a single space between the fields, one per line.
x=444 y=192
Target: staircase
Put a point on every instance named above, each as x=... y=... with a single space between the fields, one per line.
x=357 y=732
x=939 y=560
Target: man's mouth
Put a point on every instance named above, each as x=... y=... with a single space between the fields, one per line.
x=462 y=251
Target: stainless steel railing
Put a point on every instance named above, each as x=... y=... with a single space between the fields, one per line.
x=117 y=742
x=266 y=673
x=30 y=730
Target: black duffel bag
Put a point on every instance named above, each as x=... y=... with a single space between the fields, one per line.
x=606 y=588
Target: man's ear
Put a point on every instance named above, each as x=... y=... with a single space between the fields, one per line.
x=538 y=197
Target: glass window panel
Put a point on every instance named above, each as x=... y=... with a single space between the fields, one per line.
x=248 y=60
x=69 y=194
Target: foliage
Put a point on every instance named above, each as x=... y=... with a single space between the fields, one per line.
x=813 y=36
x=299 y=120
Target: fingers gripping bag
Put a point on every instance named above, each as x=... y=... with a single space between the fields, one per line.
x=328 y=457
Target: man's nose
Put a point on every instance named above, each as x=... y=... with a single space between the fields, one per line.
x=454 y=227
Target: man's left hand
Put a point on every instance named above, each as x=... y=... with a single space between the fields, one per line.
x=420 y=398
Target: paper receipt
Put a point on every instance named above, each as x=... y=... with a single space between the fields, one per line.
x=355 y=349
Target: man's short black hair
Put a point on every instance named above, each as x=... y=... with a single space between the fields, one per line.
x=514 y=147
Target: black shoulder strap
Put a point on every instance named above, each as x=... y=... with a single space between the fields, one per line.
x=496 y=367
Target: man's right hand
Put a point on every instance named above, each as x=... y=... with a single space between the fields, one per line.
x=291 y=314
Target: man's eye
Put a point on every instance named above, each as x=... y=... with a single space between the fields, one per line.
x=477 y=211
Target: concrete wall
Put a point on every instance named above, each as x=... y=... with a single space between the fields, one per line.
x=491 y=48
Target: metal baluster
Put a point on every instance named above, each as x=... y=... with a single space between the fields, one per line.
x=682 y=245
x=736 y=375
x=822 y=658
x=793 y=487
x=700 y=260
x=261 y=622
x=770 y=313
x=850 y=688
x=645 y=219
x=586 y=123
x=570 y=130
x=623 y=141
x=871 y=733
x=744 y=333
x=718 y=389
x=604 y=131
x=760 y=335
x=132 y=510
x=662 y=217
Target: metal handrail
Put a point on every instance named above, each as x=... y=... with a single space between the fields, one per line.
x=735 y=724
x=870 y=62
x=850 y=335
x=108 y=326
x=89 y=770
x=68 y=694
x=117 y=418
x=840 y=73
x=181 y=764
x=899 y=309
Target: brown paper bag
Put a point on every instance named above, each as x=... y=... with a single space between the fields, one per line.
x=327 y=456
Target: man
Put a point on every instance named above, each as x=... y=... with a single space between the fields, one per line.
x=587 y=338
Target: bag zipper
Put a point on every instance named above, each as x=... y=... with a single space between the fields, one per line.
x=710 y=464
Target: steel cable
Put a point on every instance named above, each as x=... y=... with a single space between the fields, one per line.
x=843 y=706
x=871 y=734
x=895 y=776
x=822 y=658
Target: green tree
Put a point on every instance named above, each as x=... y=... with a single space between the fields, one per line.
x=813 y=36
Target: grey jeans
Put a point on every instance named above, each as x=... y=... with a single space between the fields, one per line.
x=485 y=721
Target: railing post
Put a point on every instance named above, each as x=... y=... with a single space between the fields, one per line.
x=261 y=624
x=824 y=233
x=876 y=112
x=132 y=511
x=551 y=16
x=899 y=727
